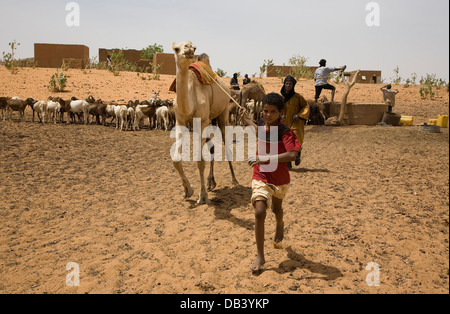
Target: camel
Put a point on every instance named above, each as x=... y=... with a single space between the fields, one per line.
x=253 y=91
x=196 y=100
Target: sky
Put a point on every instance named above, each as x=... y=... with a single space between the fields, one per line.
x=239 y=35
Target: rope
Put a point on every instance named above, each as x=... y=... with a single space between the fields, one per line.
x=229 y=96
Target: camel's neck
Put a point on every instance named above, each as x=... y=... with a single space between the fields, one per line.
x=184 y=93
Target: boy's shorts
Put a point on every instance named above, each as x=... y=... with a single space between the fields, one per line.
x=262 y=191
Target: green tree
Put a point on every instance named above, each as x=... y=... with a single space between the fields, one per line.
x=151 y=50
x=299 y=69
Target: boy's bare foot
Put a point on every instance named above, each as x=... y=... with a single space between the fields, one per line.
x=258 y=264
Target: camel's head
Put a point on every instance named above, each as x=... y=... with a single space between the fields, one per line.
x=184 y=50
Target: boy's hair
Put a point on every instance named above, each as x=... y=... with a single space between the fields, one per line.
x=274 y=99
x=389 y=86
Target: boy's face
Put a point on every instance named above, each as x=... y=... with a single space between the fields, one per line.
x=271 y=113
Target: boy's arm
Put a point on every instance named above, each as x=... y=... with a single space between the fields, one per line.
x=248 y=120
x=285 y=157
x=292 y=146
x=265 y=160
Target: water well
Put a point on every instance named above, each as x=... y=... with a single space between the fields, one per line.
x=359 y=114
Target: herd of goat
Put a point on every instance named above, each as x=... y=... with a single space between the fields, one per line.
x=160 y=113
x=130 y=116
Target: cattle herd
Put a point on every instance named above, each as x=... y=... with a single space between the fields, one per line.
x=131 y=116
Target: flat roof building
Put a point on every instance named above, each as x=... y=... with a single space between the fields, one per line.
x=53 y=55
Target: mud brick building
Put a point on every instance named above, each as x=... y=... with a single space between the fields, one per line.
x=367 y=77
x=53 y=55
x=273 y=70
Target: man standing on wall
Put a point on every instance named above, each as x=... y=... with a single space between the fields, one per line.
x=321 y=79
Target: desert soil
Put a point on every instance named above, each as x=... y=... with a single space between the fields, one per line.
x=112 y=203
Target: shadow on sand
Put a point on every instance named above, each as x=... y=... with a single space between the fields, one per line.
x=298 y=261
x=227 y=199
x=304 y=170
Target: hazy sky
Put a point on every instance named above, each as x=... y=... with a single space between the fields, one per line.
x=240 y=35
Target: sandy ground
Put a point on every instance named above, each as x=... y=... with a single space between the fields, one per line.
x=112 y=203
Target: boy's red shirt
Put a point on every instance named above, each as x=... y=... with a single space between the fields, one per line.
x=286 y=142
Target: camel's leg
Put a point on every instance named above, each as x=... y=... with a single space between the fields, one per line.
x=188 y=188
x=223 y=123
x=211 y=181
x=203 y=196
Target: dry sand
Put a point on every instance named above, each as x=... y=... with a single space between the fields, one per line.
x=112 y=203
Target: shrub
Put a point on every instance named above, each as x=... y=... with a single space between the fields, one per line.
x=430 y=82
x=58 y=82
x=221 y=72
x=156 y=71
x=397 y=79
x=299 y=69
x=263 y=68
x=280 y=75
x=8 y=58
x=119 y=63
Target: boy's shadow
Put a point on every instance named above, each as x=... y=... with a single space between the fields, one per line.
x=304 y=170
x=298 y=261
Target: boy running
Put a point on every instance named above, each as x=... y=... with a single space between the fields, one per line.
x=271 y=179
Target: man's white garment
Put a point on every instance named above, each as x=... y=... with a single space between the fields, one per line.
x=321 y=75
x=389 y=96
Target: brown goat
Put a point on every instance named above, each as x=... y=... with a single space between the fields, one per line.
x=144 y=109
x=3 y=102
x=16 y=104
x=97 y=108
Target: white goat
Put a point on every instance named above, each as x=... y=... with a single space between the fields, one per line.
x=53 y=110
x=121 y=116
x=80 y=106
x=110 y=111
x=41 y=109
x=162 y=114
x=131 y=114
